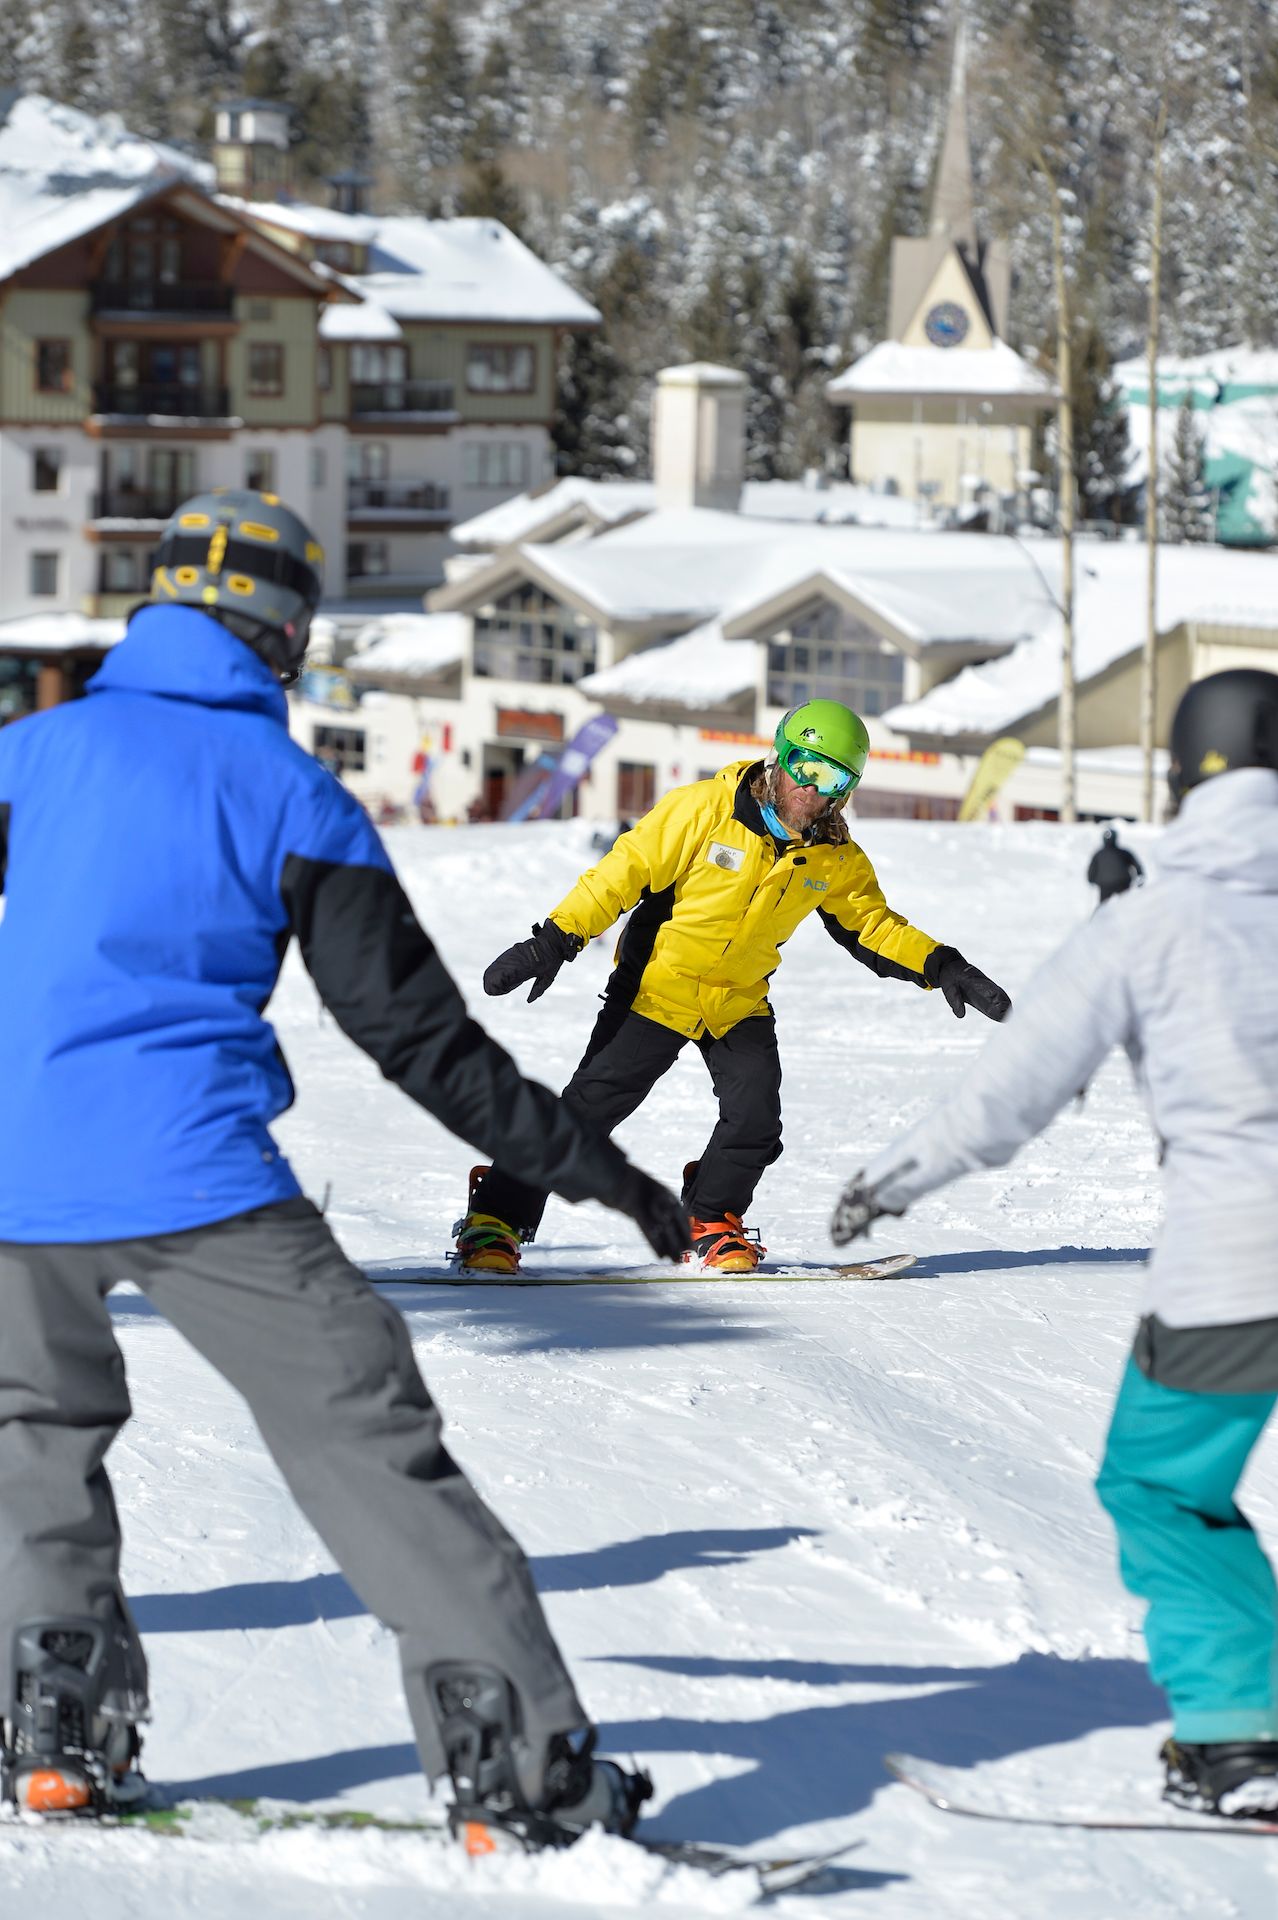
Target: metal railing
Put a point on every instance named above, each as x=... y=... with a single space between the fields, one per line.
x=137 y=503
x=174 y=398
x=402 y=396
x=153 y=296
x=404 y=496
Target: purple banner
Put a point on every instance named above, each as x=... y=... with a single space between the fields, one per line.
x=574 y=763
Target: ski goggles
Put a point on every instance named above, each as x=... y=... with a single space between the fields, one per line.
x=808 y=769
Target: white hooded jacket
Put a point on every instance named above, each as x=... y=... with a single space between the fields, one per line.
x=1184 y=974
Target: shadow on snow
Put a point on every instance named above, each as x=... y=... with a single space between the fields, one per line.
x=326 y=1596
x=814 y=1763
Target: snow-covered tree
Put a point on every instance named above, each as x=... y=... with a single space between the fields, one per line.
x=1186 y=499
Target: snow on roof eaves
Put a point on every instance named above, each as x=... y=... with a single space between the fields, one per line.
x=469 y=269
x=58 y=633
x=1209 y=586
x=891 y=369
x=700 y=670
x=522 y=518
x=63 y=173
x=367 y=320
x=410 y=645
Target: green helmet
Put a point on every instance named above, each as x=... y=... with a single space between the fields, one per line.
x=250 y=562
x=824 y=730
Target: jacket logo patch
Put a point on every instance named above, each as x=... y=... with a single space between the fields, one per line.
x=818 y=886
x=731 y=858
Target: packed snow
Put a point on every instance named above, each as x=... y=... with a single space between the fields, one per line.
x=974 y=373
x=781 y=1528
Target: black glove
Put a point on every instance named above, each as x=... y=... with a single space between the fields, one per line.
x=964 y=985
x=856 y=1210
x=538 y=960
x=655 y=1211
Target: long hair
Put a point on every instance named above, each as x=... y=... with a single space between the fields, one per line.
x=828 y=829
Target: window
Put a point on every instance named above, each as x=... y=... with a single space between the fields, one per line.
x=259 y=470
x=505 y=369
x=636 y=789
x=832 y=655
x=324 y=369
x=43 y=579
x=370 y=364
x=18 y=679
x=365 y=558
x=336 y=253
x=368 y=460
x=496 y=463
x=46 y=470
x=265 y=368
x=340 y=749
x=53 y=366
x=319 y=467
x=261 y=310
x=123 y=570
x=528 y=636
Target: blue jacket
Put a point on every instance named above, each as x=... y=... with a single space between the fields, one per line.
x=160 y=841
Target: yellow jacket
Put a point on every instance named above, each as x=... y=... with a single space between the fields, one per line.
x=719 y=901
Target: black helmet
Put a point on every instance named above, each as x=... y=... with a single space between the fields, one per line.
x=1226 y=721
x=250 y=562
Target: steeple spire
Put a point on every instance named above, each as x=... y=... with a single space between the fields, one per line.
x=952 y=213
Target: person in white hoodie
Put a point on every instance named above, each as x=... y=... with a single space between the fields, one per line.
x=1181 y=974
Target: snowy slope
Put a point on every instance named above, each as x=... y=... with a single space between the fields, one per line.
x=780 y=1528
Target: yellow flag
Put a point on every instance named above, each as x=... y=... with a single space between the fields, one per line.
x=999 y=760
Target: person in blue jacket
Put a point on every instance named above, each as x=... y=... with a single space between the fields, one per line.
x=161 y=842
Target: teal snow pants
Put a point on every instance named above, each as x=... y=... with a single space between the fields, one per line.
x=1171 y=1464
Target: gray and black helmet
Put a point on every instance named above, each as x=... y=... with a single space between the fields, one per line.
x=250 y=562
x=1225 y=721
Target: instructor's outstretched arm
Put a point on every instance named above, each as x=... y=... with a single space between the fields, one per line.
x=378 y=973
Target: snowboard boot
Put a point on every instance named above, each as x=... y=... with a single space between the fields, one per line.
x=724 y=1246
x=482 y=1243
x=510 y=1798
x=1237 y=1779
x=72 y=1746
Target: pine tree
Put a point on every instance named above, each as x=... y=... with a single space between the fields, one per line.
x=1186 y=501
x=489 y=194
x=1102 y=444
x=602 y=421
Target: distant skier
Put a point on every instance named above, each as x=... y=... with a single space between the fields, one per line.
x=1114 y=868
x=161 y=841
x=1180 y=974
x=719 y=875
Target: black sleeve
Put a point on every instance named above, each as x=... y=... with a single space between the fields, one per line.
x=4 y=841
x=381 y=978
x=886 y=969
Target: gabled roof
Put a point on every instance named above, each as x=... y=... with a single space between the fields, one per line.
x=1210 y=586
x=699 y=671
x=64 y=173
x=419 y=269
x=891 y=370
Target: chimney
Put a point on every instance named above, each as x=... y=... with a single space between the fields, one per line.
x=698 y=436
x=348 y=191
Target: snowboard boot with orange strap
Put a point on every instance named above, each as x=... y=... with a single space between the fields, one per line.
x=72 y=1746
x=720 y=1246
x=482 y=1243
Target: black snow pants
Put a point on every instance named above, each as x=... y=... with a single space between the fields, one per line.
x=623 y=1062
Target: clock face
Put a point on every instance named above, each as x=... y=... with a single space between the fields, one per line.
x=946 y=324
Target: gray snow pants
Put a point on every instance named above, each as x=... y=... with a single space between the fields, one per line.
x=326 y=1367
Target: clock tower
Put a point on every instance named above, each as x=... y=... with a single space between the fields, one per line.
x=943 y=410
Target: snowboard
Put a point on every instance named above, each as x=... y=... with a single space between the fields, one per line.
x=210 y=1819
x=448 y=1276
x=954 y=1790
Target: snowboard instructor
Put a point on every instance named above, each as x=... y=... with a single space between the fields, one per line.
x=161 y=842
x=1181 y=975
x=719 y=875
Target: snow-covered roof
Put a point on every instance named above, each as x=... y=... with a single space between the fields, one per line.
x=604 y=503
x=693 y=565
x=699 y=670
x=366 y=320
x=1204 y=584
x=64 y=173
x=992 y=373
x=412 y=644
x=300 y=216
x=701 y=373
x=58 y=633
x=1202 y=373
x=466 y=270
